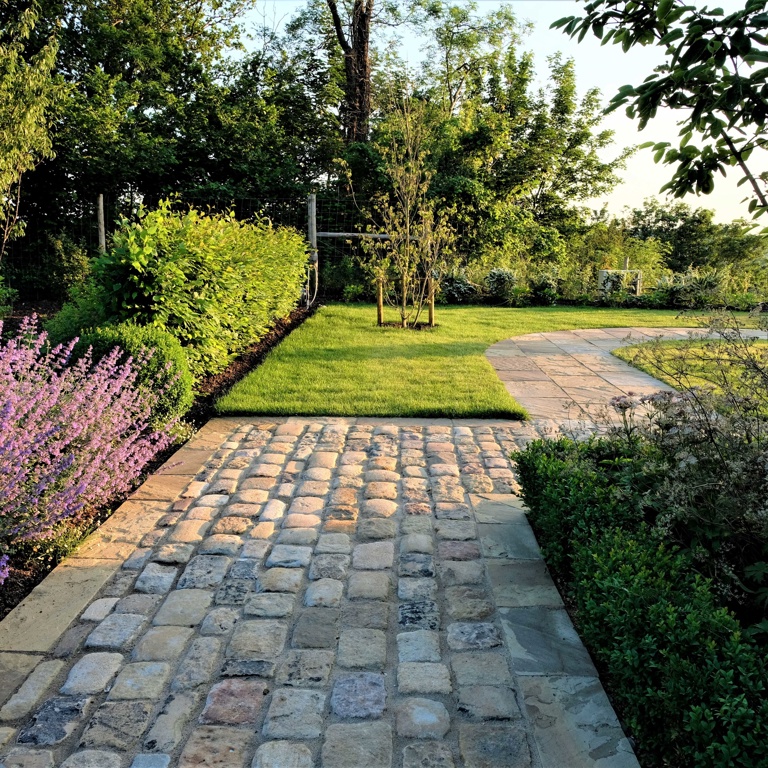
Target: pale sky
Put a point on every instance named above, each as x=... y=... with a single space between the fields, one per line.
x=606 y=67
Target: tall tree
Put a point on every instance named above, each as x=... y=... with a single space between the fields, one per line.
x=714 y=72
x=28 y=94
x=354 y=37
x=694 y=238
x=512 y=160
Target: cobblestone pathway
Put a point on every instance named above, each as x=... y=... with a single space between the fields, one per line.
x=333 y=593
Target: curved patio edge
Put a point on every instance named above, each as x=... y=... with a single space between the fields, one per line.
x=568 y=377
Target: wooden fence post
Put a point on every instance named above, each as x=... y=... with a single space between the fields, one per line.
x=380 y=301
x=431 y=291
x=101 y=224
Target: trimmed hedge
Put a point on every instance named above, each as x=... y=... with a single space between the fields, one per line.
x=573 y=488
x=691 y=687
x=159 y=359
x=215 y=283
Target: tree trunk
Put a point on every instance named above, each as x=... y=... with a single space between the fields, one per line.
x=380 y=302
x=356 y=110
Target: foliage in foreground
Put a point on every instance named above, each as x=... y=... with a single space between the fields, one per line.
x=688 y=681
x=162 y=359
x=714 y=72
x=659 y=530
x=214 y=283
x=73 y=436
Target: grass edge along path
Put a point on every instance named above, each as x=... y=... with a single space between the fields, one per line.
x=339 y=363
x=685 y=363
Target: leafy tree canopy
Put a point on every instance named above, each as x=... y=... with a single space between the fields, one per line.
x=714 y=72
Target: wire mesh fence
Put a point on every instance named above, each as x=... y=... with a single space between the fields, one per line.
x=54 y=251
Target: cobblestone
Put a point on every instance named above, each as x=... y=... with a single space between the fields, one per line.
x=92 y=674
x=168 y=729
x=234 y=702
x=325 y=593
x=420 y=645
x=280 y=580
x=360 y=695
x=184 y=608
x=140 y=680
x=198 y=666
x=289 y=556
x=295 y=714
x=116 y=631
x=422 y=719
x=55 y=720
x=362 y=648
x=215 y=747
x=259 y=639
x=357 y=745
x=428 y=755
x=282 y=754
x=369 y=585
x=117 y=725
x=426 y=677
x=324 y=573
x=270 y=605
x=306 y=669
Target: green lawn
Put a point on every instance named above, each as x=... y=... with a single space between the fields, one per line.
x=683 y=364
x=339 y=363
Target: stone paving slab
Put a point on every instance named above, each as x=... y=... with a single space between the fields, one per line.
x=320 y=593
x=567 y=377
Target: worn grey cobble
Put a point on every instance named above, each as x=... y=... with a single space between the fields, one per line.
x=320 y=596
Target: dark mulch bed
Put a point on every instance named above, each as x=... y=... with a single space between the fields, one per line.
x=43 y=309
x=22 y=580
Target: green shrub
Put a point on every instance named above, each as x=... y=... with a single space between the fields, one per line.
x=86 y=308
x=457 y=289
x=689 y=686
x=684 y=677
x=67 y=264
x=574 y=489
x=545 y=287
x=500 y=284
x=164 y=370
x=215 y=283
x=7 y=297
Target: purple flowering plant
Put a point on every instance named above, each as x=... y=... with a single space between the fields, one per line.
x=73 y=435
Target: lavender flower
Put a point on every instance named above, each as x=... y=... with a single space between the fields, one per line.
x=73 y=436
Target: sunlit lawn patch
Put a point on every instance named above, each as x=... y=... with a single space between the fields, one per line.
x=684 y=364
x=339 y=363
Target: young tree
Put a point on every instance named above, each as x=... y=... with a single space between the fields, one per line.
x=28 y=94
x=714 y=72
x=411 y=262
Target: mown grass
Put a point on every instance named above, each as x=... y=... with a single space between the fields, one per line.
x=693 y=363
x=339 y=363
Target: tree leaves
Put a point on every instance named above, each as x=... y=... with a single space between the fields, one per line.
x=707 y=73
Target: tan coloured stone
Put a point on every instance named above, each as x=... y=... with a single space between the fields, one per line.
x=37 y=623
x=32 y=690
x=14 y=669
x=213 y=746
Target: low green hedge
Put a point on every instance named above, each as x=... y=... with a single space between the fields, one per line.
x=574 y=487
x=164 y=367
x=688 y=683
x=215 y=283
